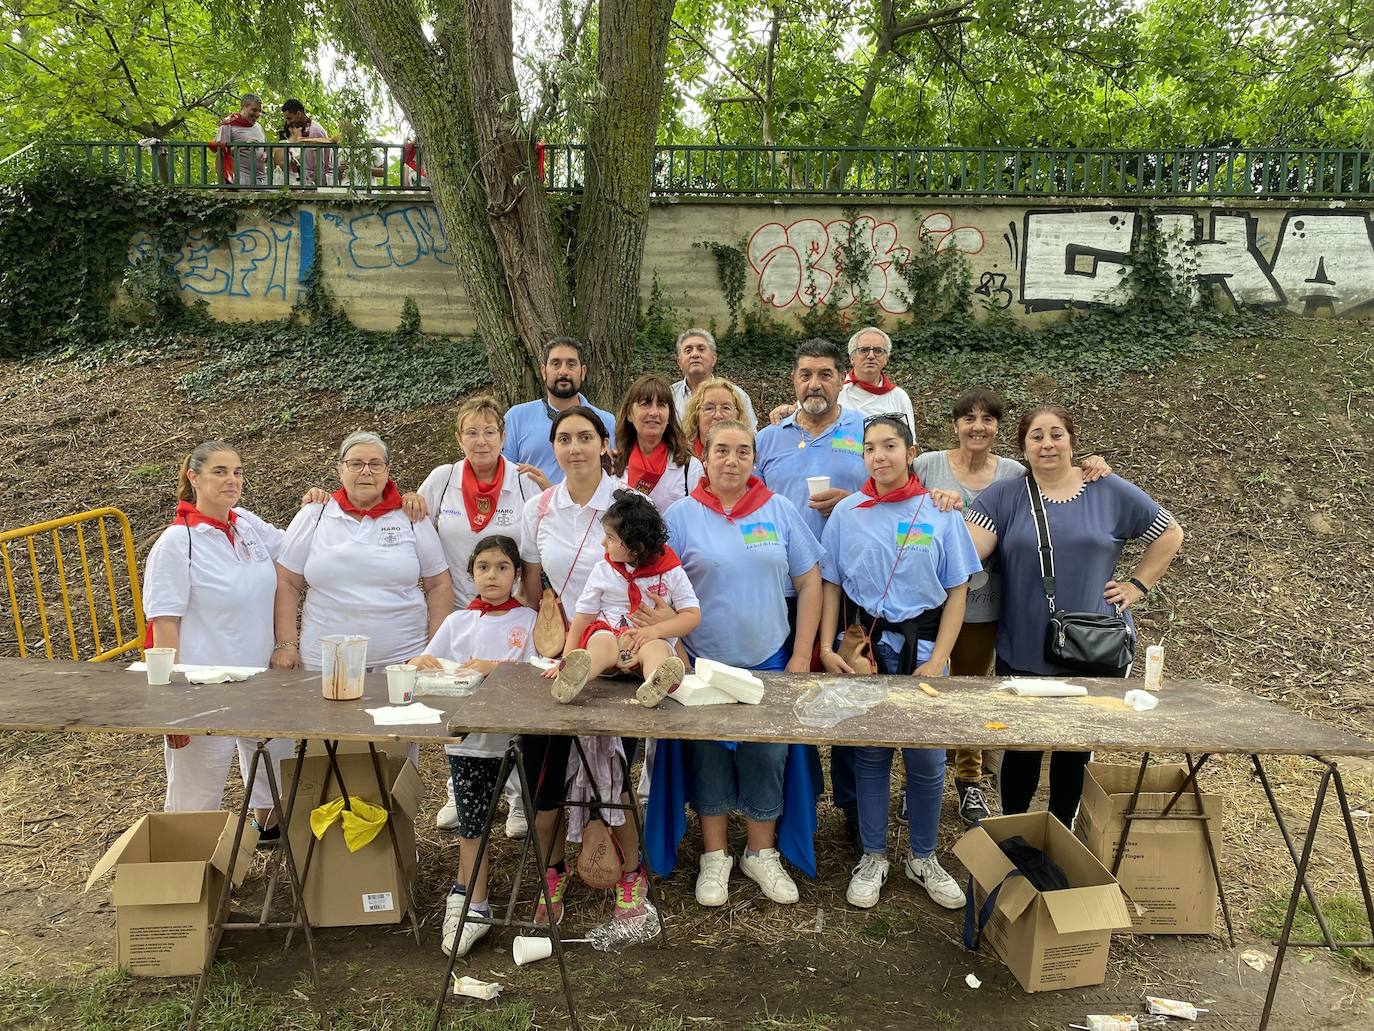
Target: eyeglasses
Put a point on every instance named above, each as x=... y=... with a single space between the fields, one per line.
x=490 y=433
x=721 y=409
x=871 y=352
x=357 y=465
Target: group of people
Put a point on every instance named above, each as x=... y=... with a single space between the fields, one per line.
x=672 y=530
x=308 y=161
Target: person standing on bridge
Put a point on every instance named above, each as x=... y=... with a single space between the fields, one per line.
x=696 y=358
x=527 y=425
x=239 y=164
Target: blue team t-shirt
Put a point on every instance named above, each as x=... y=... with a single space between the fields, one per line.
x=527 y=435
x=1087 y=533
x=741 y=571
x=861 y=546
x=787 y=455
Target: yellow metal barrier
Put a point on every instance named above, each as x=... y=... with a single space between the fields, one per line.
x=103 y=598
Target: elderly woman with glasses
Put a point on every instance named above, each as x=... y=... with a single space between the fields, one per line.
x=715 y=400
x=364 y=566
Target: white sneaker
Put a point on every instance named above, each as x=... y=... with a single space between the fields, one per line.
x=472 y=931
x=447 y=817
x=713 y=880
x=868 y=880
x=765 y=870
x=940 y=886
x=517 y=826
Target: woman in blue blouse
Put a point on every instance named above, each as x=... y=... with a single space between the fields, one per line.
x=899 y=568
x=1089 y=523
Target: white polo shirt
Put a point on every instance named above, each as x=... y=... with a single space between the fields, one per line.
x=498 y=636
x=222 y=592
x=443 y=493
x=895 y=401
x=681 y=393
x=674 y=485
x=363 y=577
x=567 y=540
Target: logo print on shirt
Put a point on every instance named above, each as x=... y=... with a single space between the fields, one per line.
x=920 y=536
x=504 y=517
x=659 y=589
x=759 y=533
x=515 y=640
x=849 y=445
x=390 y=536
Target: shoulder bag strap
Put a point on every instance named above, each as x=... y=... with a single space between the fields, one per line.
x=1042 y=536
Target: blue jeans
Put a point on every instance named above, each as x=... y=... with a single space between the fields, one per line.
x=925 y=786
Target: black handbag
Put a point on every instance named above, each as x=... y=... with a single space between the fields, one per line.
x=1088 y=642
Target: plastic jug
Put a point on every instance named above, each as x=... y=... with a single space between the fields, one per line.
x=343 y=664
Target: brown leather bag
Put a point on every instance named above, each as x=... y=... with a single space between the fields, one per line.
x=599 y=861
x=857 y=651
x=551 y=626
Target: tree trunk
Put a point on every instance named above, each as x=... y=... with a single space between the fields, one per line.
x=430 y=83
x=632 y=42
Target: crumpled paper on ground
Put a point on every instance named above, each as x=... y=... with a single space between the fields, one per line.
x=405 y=715
x=475 y=989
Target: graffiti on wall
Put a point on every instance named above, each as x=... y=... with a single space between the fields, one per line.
x=797 y=263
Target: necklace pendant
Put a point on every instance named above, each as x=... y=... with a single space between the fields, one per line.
x=801 y=446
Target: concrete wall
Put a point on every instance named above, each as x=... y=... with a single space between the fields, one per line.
x=1024 y=258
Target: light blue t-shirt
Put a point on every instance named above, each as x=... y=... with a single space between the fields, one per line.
x=741 y=571
x=527 y=435
x=861 y=547
x=787 y=455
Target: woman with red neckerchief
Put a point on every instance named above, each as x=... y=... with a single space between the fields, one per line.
x=898 y=568
x=654 y=456
x=716 y=400
x=364 y=566
x=207 y=591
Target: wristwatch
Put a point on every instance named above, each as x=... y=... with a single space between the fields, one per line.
x=1138 y=586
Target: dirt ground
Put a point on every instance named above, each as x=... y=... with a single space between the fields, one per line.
x=1261 y=451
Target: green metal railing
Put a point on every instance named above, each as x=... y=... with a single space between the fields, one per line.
x=765 y=171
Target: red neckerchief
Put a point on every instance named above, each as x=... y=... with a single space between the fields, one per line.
x=910 y=489
x=189 y=515
x=882 y=388
x=755 y=496
x=644 y=471
x=698 y=447
x=485 y=608
x=479 y=499
x=408 y=154
x=391 y=500
x=666 y=560
x=226 y=159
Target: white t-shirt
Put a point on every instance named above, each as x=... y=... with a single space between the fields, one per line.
x=895 y=401
x=567 y=541
x=498 y=636
x=443 y=493
x=222 y=593
x=607 y=595
x=363 y=577
x=674 y=485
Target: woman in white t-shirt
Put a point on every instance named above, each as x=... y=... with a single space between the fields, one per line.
x=364 y=566
x=208 y=587
x=492 y=628
x=653 y=455
x=561 y=541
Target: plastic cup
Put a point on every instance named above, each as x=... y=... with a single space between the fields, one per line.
x=160 y=662
x=400 y=683
x=530 y=950
x=816 y=484
x=343 y=664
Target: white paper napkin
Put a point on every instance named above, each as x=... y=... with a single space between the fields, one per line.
x=405 y=715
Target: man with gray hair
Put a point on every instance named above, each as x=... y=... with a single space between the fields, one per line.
x=866 y=388
x=239 y=164
x=696 y=357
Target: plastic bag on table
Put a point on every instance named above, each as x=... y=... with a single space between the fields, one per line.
x=835 y=699
x=615 y=935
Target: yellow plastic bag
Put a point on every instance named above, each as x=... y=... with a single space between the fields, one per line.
x=362 y=821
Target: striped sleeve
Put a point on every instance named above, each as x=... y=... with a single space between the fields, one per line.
x=1161 y=522
x=983 y=520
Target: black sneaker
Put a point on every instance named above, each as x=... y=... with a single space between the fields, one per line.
x=267 y=839
x=973 y=806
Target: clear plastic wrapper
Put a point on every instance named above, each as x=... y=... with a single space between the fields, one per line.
x=615 y=935
x=835 y=699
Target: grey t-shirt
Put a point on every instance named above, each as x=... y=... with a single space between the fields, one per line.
x=984 y=592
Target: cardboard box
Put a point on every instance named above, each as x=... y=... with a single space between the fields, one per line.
x=169 y=870
x=1165 y=872
x=351 y=889
x=1054 y=939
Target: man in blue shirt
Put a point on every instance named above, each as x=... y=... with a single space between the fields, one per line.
x=819 y=439
x=527 y=425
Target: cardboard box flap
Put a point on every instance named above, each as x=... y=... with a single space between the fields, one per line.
x=224 y=847
x=407 y=790
x=115 y=852
x=158 y=884
x=1097 y=907
x=989 y=865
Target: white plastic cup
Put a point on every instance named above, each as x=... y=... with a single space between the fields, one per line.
x=400 y=683
x=816 y=484
x=527 y=950
x=160 y=662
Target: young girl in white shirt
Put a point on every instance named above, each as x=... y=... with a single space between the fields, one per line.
x=494 y=628
x=637 y=561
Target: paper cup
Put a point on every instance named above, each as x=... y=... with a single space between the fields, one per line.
x=400 y=684
x=816 y=484
x=530 y=950
x=160 y=662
